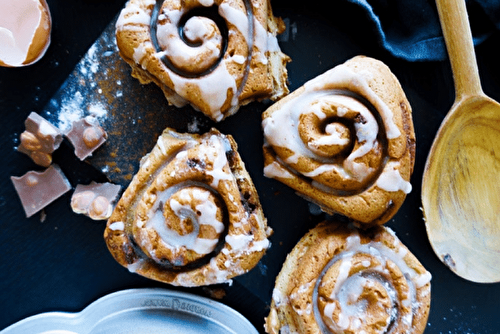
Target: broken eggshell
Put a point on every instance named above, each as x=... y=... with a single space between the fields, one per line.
x=25 y=27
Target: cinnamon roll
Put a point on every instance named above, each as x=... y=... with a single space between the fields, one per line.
x=340 y=279
x=191 y=215
x=344 y=140
x=213 y=54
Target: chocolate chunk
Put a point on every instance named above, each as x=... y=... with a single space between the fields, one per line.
x=38 y=189
x=39 y=139
x=86 y=135
x=95 y=200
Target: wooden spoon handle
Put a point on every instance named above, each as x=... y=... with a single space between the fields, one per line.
x=458 y=37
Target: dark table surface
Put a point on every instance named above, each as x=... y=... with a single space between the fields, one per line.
x=62 y=263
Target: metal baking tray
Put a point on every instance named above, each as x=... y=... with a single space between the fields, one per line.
x=140 y=311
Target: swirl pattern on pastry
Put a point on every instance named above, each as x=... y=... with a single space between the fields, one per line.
x=339 y=279
x=344 y=140
x=213 y=54
x=191 y=215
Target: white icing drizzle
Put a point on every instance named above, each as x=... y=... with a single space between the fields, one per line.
x=136 y=266
x=211 y=92
x=117 y=226
x=211 y=272
x=296 y=295
x=391 y=180
x=196 y=29
x=134 y=17
x=239 y=59
x=237 y=18
x=214 y=95
x=279 y=298
x=274 y=170
x=140 y=52
x=206 y=3
x=347 y=289
x=193 y=204
x=216 y=151
x=161 y=146
x=205 y=215
x=332 y=137
x=272 y=43
x=341 y=75
x=246 y=243
x=281 y=129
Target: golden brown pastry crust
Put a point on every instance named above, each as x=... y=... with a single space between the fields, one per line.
x=345 y=140
x=215 y=71
x=191 y=215
x=347 y=280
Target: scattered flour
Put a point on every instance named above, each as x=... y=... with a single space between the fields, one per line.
x=80 y=96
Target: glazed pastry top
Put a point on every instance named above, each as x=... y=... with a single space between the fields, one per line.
x=344 y=139
x=284 y=125
x=191 y=216
x=339 y=279
x=216 y=55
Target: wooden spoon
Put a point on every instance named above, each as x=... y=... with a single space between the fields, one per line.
x=461 y=181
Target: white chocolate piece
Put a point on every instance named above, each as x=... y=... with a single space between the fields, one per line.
x=95 y=200
x=86 y=136
x=38 y=189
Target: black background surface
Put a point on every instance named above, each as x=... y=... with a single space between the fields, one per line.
x=62 y=263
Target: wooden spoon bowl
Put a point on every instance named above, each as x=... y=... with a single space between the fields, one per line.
x=461 y=181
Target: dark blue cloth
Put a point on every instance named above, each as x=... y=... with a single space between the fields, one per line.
x=410 y=29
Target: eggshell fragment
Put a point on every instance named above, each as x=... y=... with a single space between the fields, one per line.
x=25 y=27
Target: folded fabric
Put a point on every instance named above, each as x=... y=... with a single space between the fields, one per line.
x=410 y=29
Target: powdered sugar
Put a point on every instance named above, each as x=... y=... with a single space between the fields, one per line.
x=81 y=95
